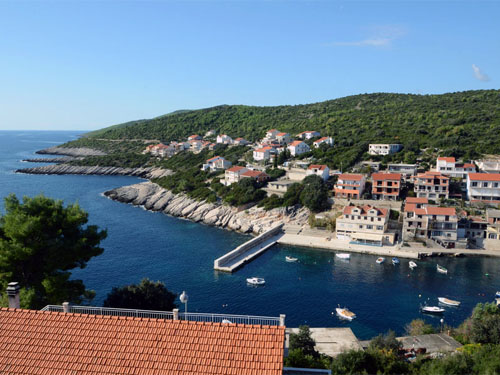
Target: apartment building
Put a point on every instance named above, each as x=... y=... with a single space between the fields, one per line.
x=492 y=241
x=386 y=186
x=450 y=167
x=224 y=139
x=298 y=147
x=383 y=148
x=407 y=170
x=217 y=163
x=432 y=185
x=350 y=185
x=308 y=134
x=366 y=225
x=233 y=175
x=263 y=153
x=483 y=187
x=320 y=170
x=323 y=141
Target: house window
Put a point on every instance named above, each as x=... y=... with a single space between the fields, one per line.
x=495 y=184
x=485 y=184
x=474 y=184
x=369 y=227
x=380 y=227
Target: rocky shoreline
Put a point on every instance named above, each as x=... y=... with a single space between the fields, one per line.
x=71 y=151
x=254 y=220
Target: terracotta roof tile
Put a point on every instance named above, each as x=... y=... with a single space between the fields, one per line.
x=386 y=176
x=35 y=342
x=350 y=177
x=484 y=176
x=447 y=159
x=321 y=167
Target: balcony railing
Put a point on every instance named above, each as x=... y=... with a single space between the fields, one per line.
x=170 y=315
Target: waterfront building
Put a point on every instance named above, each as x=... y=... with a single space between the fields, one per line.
x=483 y=187
x=233 y=175
x=263 y=153
x=224 y=139
x=473 y=229
x=217 y=163
x=406 y=170
x=298 y=147
x=308 y=134
x=364 y=225
x=383 y=148
x=431 y=185
x=493 y=229
x=449 y=167
x=350 y=185
x=194 y=137
x=386 y=186
x=320 y=170
x=323 y=141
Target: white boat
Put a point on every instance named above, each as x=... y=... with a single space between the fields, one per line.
x=256 y=281
x=432 y=309
x=412 y=264
x=441 y=269
x=380 y=260
x=343 y=255
x=291 y=259
x=497 y=295
x=345 y=313
x=395 y=260
x=449 y=302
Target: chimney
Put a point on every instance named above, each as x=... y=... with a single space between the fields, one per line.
x=13 y=293
x=65 y=306
x=282 y=320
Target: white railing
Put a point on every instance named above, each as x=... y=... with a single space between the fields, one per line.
x=171 y=315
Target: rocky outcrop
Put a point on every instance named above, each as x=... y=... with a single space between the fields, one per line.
x=64 y=159
x=96 y=170
x=71 y=151
x=255 y=219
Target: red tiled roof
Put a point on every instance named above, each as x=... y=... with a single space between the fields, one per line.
x=412 y=207
x=484 y=176
x=351 y=176
x=193 y=136
x=263 y=149
x=417 y=200
x=365 y=209
x=215 y=157
x=386 y=176
x=255 y=174
x=432 y=174
x=447 y=159
x=235 y=169
x=272 y=130
x=432 y=210
x=296 y=143
x=468 y=165
x=39 y=343
x=281 y=134
x=321 y=167
x=321 y=139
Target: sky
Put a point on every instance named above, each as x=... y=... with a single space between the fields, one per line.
x=82 y=65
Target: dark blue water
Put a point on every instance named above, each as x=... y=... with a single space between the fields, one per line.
x=181 y=254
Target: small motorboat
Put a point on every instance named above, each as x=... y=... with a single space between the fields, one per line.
x=441 y=269
x=380 y=260
x=343 y=255
x=412 y=264
x=395 y=260
x=449 y=302
x=497 y=295
x=256 y=281
x=345 y=313
x=291 y=259
x=432 y=309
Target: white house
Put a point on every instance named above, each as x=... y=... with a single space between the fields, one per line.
x=383 y=148
x=325 y=140
x=449 y=167
x=483 y=187
x=225 y=139
x=320 y=170
x=298 y=147
x=263 y=153
x=233 y=175
x=283 y=138
x=308 y=134
x=195 y=145
x=240 y=142
x=210 y=133
x=216 y=163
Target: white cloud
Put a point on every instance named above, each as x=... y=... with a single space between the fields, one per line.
x=479 y=74
x=380 y=36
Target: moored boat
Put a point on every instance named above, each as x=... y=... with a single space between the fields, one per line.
x=395 y=260
x=497 y=295
x=343 y=255
x=441 y=269
x=291 y=259
x=412 y=264
x=449 y=302
x=345 y=313
x=432 y=309
x=380 y=260
x=256 y=281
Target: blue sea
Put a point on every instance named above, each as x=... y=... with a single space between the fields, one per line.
x=181 y=254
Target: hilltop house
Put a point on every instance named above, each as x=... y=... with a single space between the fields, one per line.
x=216 y=163
x=483 y=187
x=386 y=186
x=366 y=225
x=449 y=167
x=233 y=175
x=194 y=137
x=263 y=153
x=308 y=134
x=320 y=170
x=240 y=142
x=283 y=138
x=349 y=185
x=431 y=185
x=383 y=148
x=256 y=175
x=224 y=139
x=210 y=133
x=323 y=141
x=298 y=147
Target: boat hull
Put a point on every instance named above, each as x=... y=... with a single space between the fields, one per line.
x=342 y=314
x=448 y=302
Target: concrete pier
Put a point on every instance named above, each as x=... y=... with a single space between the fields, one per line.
x=246 y=252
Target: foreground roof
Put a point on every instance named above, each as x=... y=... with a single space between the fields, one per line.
x=42 y=342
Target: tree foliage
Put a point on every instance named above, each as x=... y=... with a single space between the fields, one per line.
x=40 y=242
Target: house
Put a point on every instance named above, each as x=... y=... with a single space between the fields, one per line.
x=386 y=186
x=383 y=148
x=490 y=165
x=283 y=138
x=240 y=142
x=86 y=340
x=308 y=134
x=233 y=175
x=473 y=229
x=256 y=175
x=194 y=137
x=431 y=185
x=224 y=139
x=263 y=153
x=483 y=187
x=365 y=225
x=195 y=145
x=323 y=141
x=216 y=163
x=449 y=167
x=155 y=150
x=298 y=147
x=373 y=165
x=349 y=185
x=279 y=187
x=492 y=230
x=148 y=149
x=406 y=170
x=320 y=170
x=210 y=133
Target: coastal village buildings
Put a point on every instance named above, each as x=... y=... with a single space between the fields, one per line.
x=383 y=149
x=489 y=165
x=298 y=147
x=240 y=142
x=406 y=170
x=431 y=185
x=364 y=225
x=283 y=138
x=232 y=175
x=473 y=229
x=262 y=154
x=217 y=163
x=320 y=170
x=270 y=136
x=449 y=167
x=256 y=175
x=350 y=185
x=483 y=187
x=224 y=139
x=373 y=166
x=493 y=229
x=308 y=134
x=386 y=186
x=194 y=137
x=323 y=141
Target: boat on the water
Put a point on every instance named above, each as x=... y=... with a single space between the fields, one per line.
x=412 y=264
x=345 y=313
x=380 y=260
x=441 y=269
x=432 y=309
x=449 y=302
x=343 y=255
x=395 y=260
x=256 y=281
x=291 y=259
x=497 y=295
